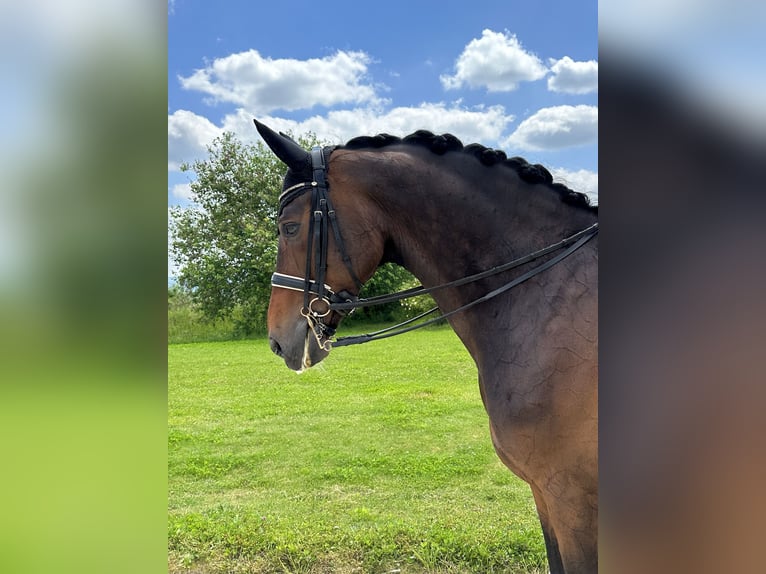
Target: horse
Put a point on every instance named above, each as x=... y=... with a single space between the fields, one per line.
x=469 y=223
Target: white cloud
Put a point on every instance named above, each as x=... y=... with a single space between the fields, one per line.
x=263 y=85
x=483 y=124
x=189 y=134
x=572 y=77
x=556 y=128
x=188 y=137
x=181 y=191
x=581 y=180
x=496 y=61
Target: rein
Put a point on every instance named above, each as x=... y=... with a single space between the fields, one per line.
x=577 y=241
x=344 y=302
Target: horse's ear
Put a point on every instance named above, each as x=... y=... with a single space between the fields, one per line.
x=284 y=148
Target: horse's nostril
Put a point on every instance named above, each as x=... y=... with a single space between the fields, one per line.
x=275 y=346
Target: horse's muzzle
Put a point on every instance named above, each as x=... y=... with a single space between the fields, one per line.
x=298 y=347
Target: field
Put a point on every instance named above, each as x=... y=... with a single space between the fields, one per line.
x=378 y=460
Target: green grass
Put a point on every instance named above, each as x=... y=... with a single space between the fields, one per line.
x=187 y=325
x=377 y=460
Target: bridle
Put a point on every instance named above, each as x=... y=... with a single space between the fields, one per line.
x=322 y=218
x=316 y=291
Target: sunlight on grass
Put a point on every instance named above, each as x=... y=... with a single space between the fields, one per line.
x=380 y=460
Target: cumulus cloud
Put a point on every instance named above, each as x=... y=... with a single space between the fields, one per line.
x=265 y=84
x=181 y=191
x=189 y=134
x=480 y=124
x=572 y=77
x=555 y=128
x=188 y=137
x=582 y=180
x=496 y=61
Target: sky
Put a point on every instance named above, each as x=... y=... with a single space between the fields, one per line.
x=516 y=76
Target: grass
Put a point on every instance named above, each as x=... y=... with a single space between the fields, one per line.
x=187 y=325
x=377 y=460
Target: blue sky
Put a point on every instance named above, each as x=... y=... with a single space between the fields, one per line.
x=518 y=76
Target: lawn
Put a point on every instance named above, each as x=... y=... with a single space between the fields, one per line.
x=377 y=460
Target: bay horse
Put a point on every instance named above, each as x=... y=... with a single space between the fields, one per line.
x=464 y=220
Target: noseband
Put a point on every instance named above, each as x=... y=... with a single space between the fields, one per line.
x=316 y=291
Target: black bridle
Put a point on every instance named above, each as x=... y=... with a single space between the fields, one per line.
x=315 y=291
x=322 y=219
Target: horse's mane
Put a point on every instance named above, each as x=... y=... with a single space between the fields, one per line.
x=441 y=144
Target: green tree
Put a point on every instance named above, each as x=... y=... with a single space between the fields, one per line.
x=225 y=244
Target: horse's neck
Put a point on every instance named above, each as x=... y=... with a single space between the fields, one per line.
x=445 y=226
x=446 y=229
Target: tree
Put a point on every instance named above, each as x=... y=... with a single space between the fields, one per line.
x=226 y=245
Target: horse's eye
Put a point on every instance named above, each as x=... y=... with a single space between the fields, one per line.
x=290 y=229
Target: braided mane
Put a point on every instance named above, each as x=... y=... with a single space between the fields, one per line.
x=441 y=144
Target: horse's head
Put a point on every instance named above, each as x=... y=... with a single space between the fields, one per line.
x=325 y=237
